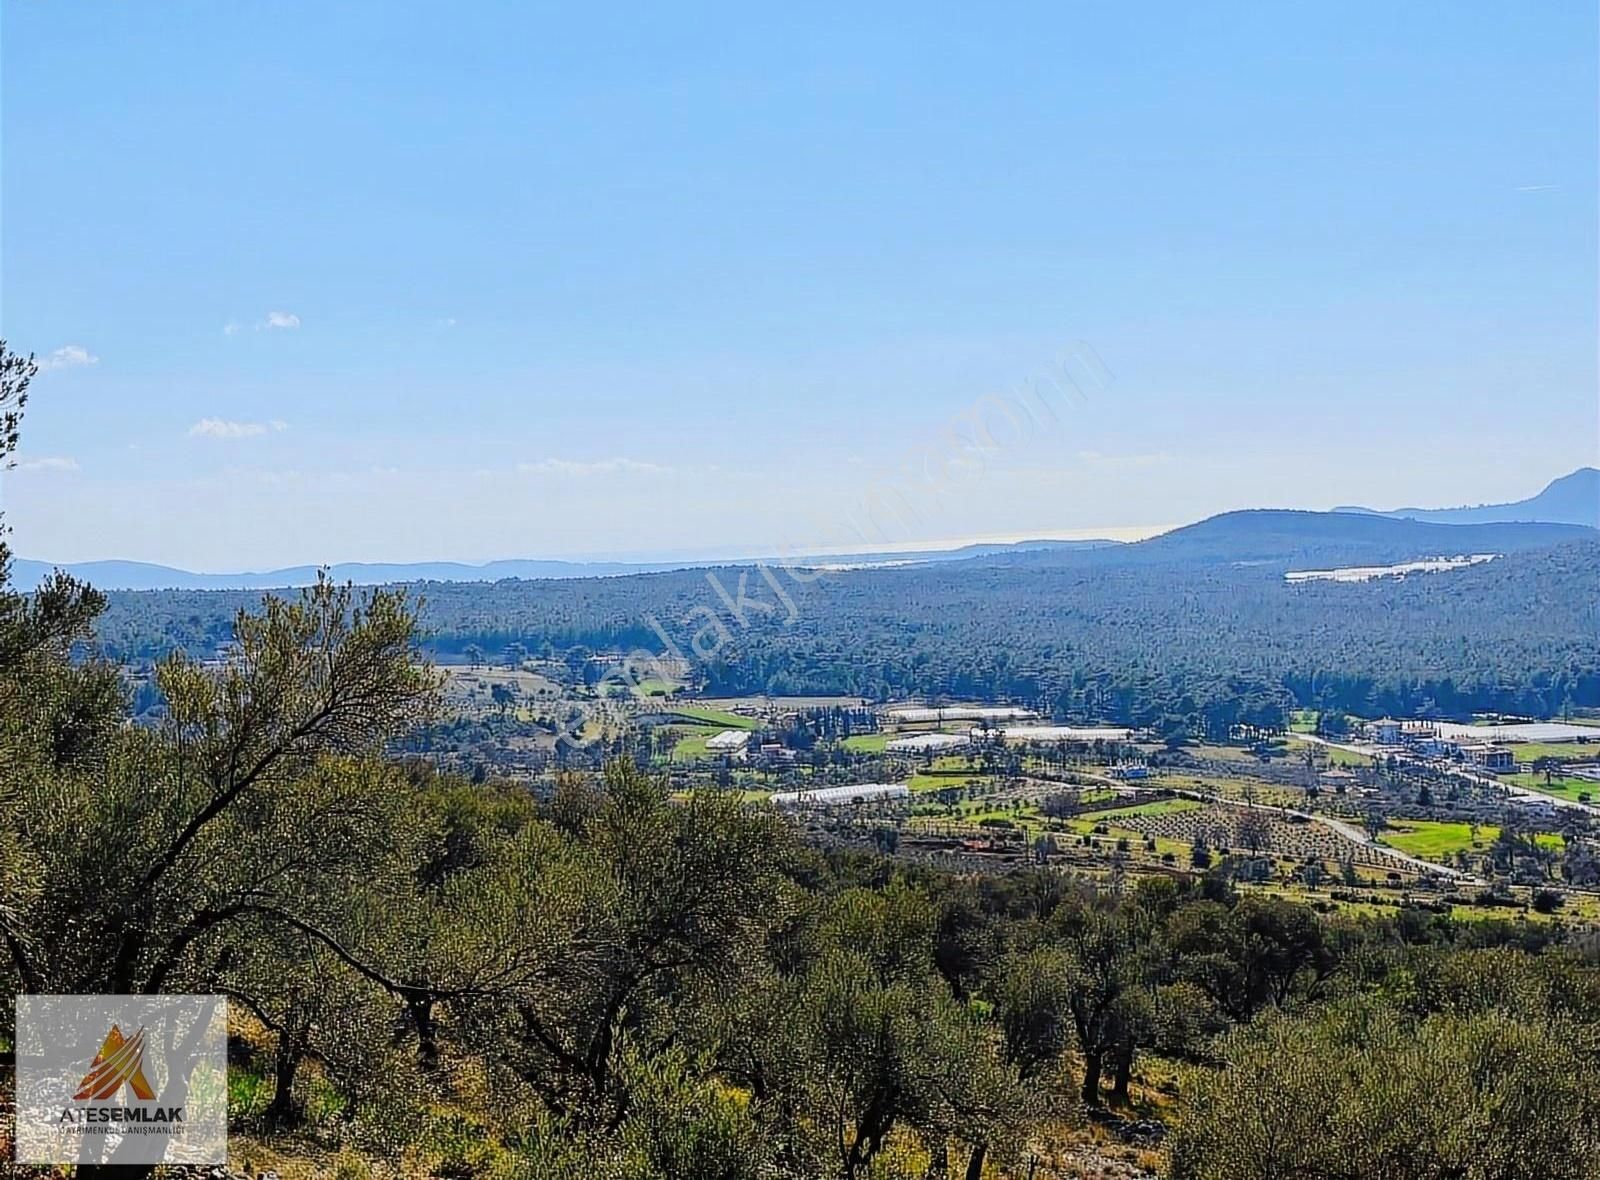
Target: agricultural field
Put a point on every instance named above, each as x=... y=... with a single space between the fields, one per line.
x=720 y=718
x=469 y=689
x=1332 y=755
x=1568 y=787
x=691 y=743
x=1440 y=839
x=867 y=743
x=940 y=779
x=1565 y=751
x=1218 y=753
x=1159 y=807
x=1222 y=824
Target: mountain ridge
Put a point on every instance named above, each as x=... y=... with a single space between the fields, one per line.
x=26 y=573
x=1573 y=498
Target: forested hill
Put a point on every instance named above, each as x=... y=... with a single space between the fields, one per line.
x=1133 y=640
x=1269 y=535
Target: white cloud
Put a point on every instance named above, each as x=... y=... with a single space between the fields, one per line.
x=48 y=463
x=225 y=428
x=581 y=467
x=1538 y=188
x=69 y=356
x=273 y=320
x=1100 y=459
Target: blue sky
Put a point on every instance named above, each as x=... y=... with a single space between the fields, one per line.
x=402 y=281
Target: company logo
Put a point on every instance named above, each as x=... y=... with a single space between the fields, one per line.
x=119 y=1063
x=115 y=1079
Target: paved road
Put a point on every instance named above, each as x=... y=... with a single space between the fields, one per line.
x=1338 y=827
x=1349 y=832
x=1487 y=780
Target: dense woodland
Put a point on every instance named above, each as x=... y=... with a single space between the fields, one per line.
x=1098 y=635
x=453 y=979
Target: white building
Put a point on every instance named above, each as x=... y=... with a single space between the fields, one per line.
x=729 y=741
x=842 y=796
x=921 y=743
x=1525 y=731
x=1062 y=733
x=911 y=714
x=1386 y=732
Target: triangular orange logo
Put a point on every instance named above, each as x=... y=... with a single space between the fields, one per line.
x=119 y=1062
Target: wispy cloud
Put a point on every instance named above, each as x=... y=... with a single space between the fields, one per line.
x=48 y=463
x=225 y=428
x=1538 y=188
x=1101 y=459
x=69 y=356
x=272 y=321
x=583 y=467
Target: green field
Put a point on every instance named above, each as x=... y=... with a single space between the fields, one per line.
x=1304 y=720
x=715 y=717
x=1084 y=825
x=1437 y=839
x=692 y=743
x=1566 y=751
x=1560 y=787
x=867 y=743
x=928 y=780
x=1159 y=807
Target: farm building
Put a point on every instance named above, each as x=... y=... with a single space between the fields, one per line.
x=1386 y=732
x=921 y=743
x=1524 y=731
x=921 y=713
x=729 y=741
x=1061 y=733
x=841 y=796
x=1130 y=771
x=1494 y=759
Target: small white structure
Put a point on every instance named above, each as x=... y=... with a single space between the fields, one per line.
x=921 y=743
x=1386 y=731
x=918 y=713
x=1061 y=733
x=842 y=796
x=729 y=741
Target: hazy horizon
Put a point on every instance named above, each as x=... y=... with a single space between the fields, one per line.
x=392 y=283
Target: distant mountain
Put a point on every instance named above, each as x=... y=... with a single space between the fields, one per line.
x=1572 y=499
x=138 y=575
x=1304 y=539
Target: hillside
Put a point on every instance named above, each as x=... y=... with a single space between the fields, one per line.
x=1282 y=536
x=1077 y=634
x=1572 y=499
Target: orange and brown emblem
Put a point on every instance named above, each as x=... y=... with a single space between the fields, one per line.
x=120 y=1062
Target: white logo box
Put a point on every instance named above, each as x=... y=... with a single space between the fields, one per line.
x=122 y=1079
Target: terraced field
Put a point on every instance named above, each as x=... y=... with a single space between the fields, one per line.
x=1219 y=824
